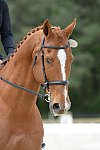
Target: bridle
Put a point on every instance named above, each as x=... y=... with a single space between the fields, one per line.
x=47 y=83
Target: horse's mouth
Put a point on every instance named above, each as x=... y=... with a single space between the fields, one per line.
x=59 y=112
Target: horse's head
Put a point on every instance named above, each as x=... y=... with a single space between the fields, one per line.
x=53 y=64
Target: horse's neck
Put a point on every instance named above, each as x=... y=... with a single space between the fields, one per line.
x=19 y=70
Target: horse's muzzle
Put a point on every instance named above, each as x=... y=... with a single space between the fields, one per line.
x=57 y=110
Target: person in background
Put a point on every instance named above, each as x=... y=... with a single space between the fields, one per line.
x=6 y=34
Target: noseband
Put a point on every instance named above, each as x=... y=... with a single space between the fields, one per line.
x=46 y=82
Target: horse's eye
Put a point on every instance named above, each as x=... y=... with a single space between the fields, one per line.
x=48 y=60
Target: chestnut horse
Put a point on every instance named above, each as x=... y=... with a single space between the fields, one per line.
x=21 y=125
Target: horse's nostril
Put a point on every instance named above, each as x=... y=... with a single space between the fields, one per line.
x=56 y=106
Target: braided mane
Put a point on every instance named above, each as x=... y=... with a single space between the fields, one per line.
x=33 y=31
x=24 y=39
x=28 y=34
x=20 y=43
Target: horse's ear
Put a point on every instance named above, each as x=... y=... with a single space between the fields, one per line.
x=69 y=29
x=47 y=28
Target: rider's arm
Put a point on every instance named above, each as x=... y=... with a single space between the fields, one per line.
x=6 y=31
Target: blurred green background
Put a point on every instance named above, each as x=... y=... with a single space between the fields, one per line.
x=84 y=88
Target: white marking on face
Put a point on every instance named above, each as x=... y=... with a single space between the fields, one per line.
x=62 y=58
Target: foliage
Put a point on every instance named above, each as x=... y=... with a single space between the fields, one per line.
x=85 y=74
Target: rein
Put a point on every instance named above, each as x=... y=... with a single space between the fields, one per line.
x=45 y=96
x=47 y=83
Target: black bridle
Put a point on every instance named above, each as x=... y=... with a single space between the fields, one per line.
x=47 y=83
